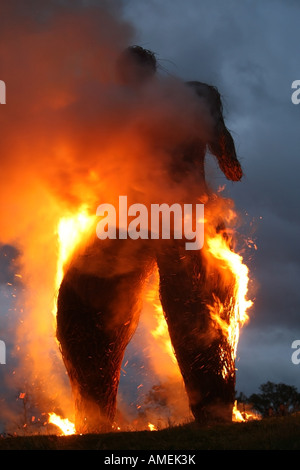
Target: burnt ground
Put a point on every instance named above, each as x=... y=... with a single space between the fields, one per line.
x=268 y=434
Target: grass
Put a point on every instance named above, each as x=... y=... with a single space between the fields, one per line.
x=267 y=434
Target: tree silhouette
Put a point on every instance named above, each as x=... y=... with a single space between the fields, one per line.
x=275 y=399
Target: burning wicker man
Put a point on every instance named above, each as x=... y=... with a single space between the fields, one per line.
x=97 y=312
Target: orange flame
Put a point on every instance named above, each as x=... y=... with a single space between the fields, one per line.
x=73 y=228
x=160 y=329
x=152 y=427
x=239 y=304
x=236 y=414
x=162 y=351
x=66 y=427
x=70 y=232
x=241 y=417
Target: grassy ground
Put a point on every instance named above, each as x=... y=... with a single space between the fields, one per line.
x=268 y=434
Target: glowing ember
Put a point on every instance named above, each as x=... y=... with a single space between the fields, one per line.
x=66 y=427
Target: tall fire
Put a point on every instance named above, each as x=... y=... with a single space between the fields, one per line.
x=98 y=120
x=72 y=231
x=219 y=249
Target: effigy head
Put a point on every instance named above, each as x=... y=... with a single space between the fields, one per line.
x=136 y=65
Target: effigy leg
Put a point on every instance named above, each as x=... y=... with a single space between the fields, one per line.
x=96 y=318
x=201 y=347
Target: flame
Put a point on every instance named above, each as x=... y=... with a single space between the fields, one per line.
x=152 y=427
x=71 y=230
x=66 y=427
x=241 y=417
x=236 y=414
x=162 y=350
x=161 y=333
x=231 y=262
